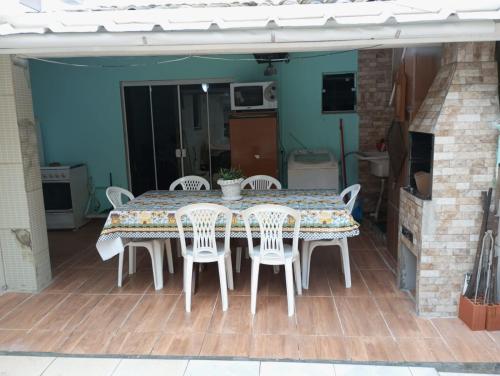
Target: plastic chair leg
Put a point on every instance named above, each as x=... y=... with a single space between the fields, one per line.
x=276 y=269
x=238 y=259
x=289 y=288
x=223 y=282
x=132 y=260
x=298 y=279
x=157 y=260
x=344 y=249
x=229 y=271
x=305 y=266
x=120 y=269
x=254 y=285
x=178 y=247
x=188 y=279
x=170 y=261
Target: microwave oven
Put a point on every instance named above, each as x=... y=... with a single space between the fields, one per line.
x=254 y=96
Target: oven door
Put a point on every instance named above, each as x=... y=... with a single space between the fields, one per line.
x=57 y=196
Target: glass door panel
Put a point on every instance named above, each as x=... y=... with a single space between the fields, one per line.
x=195 y=136
x=141 y=158
x=219 y=107
x=166 y=134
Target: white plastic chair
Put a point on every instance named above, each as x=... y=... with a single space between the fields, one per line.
x=190 y=183
x=261 y=182
x=205 y=248
x=272 y=251
x=115 y=197
x=309 y=247
x=257 y=182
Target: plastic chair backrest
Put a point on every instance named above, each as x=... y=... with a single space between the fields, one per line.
x=115 y=195
x=353 y=191
x=190 y=183
x=261 y=182
x=203 y=219
x=271 y=220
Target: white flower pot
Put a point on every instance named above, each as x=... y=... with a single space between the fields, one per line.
x=231 y=189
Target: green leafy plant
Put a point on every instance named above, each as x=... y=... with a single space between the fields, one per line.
x=230 y=173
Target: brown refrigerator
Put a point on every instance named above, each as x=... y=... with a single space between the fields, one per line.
x=254 y=142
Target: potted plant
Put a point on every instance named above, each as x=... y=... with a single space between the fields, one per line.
x=230 y=182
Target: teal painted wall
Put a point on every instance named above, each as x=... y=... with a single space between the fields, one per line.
x=300 y=85
x=80 y=115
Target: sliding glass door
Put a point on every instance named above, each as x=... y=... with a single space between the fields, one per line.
x=173 y=131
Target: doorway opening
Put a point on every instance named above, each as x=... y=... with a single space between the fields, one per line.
x=174 y=129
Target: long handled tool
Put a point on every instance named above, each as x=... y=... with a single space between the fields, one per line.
x=470 y=291
x=342 y=153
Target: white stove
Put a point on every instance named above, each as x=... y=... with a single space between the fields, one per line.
x=65 y=194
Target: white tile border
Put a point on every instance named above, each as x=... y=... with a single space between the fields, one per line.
x=82 y=367
x=24 y=365
x=38 y=364
x=151 y=367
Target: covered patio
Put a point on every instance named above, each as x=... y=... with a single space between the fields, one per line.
x=68 y=87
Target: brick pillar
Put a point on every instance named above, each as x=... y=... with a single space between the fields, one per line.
x=24 y=246
x=375 y=114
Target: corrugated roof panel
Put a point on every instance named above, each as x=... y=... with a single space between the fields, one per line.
x=202 y=15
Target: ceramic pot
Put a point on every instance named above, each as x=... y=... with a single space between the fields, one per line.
x=231 y=189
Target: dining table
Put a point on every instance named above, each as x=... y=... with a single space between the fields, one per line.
x=152 y=216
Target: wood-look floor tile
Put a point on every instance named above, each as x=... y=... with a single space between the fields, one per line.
x=90 y=259
x=360 y=316
x=132 y=343
x=9 y=338
x=361 y=242
x=465 y=344
x=474 y=349
x=172 y=284
x=402 y=320
x=10 y=300
x=424 y=350
x=274 y=346
x=382 y=283
x=87 y=342
x=236 y=320
x=242 y=280
x=317 y=315
x=150 y=314
x=271 y=316
x=68 y=314
x=271 y=284
x=70 y=280
x=40 y=341
x=374 y=349
x=323 y=347
x=337 y=284
x=136 y=283
x=235 y=345
x=109 y=313
x=100 y=282
x=318 y=282
x=198 y=320
x=182 y=344
x=32 y=310
x=368 y=260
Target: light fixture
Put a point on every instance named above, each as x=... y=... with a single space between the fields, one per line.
x=204 y=87
x=270 y=70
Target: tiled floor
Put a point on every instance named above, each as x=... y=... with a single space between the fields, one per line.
x=83 y=312
x=52 y=366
